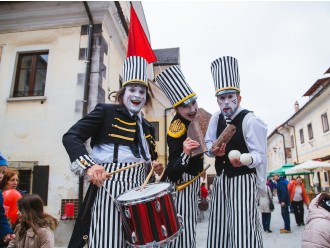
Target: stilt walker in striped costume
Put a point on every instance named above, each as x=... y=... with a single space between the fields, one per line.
x=181 y=167
x=114 y=132
x=234 y=219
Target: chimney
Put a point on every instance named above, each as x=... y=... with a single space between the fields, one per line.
x=296 y=106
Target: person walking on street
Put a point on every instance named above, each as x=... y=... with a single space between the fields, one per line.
x=234 y=217
x=265 y=198
x=284 y=201
x=204 y=191
x=298 y=197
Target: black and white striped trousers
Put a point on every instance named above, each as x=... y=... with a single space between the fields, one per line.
x=106 y=230
x=187 y=206
x=234 y=218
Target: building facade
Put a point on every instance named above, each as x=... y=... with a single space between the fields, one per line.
x=305 y=135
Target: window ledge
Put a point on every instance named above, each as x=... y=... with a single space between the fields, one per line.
x=28 y=98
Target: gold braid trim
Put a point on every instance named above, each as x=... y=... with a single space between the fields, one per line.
x=176 y=129
x=120 y=137
x=127 y=123
x=124 y=129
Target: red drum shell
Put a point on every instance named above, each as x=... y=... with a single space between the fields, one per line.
x=149 y=216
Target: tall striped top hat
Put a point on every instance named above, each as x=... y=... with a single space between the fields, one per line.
x=135 y=71
x=175 y=87
x=225 y=75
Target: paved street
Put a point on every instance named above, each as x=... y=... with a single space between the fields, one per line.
x=271 y=240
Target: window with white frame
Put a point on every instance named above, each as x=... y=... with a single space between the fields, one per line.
x=310 y=131
x=301 y=133
x=31 y=71
x=325 y=123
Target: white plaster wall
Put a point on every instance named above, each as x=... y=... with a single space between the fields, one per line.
x=31 y=130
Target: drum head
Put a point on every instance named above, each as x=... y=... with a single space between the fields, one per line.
x=150 y=190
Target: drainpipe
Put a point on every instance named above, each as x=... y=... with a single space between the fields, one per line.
x=283 y=144
x=295 y=140
x=86 y=86
x=165 y=116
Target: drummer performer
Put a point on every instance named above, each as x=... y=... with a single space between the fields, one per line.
x=114 y=130
x=181 y=167
x=234 y=219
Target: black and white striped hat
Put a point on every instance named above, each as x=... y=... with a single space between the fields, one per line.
x=135 y=71
x=175 y=87
x=225 y=75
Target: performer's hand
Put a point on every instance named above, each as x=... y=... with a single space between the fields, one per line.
x=8 y=237
x=189 y=144
x=96 y=174
x=158 y=167
x=220 y=150
x=236 y=162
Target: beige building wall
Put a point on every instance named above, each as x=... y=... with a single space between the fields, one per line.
x=315 y=148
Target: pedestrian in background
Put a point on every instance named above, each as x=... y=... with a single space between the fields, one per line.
x=284 y=201
x=9 y=180
x=269 y=183
x=6 y=233
x=265 y=198
x=317 y=231
x=36 y=227
x=204 y=191
x=298 y=197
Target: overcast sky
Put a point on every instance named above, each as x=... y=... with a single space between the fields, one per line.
x=282 y=48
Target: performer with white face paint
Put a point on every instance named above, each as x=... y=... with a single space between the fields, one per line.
x=120 y=136
x=181 y=167
x=234 y=218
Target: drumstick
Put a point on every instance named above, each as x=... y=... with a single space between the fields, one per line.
x=122 y=169
x=147 y=179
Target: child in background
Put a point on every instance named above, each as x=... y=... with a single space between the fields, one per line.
x=35 y=228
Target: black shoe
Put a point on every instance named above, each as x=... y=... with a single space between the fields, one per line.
x=299 y=224
x=303 y=223
x=269 y=231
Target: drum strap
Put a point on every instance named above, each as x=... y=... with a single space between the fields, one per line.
x=115 y=153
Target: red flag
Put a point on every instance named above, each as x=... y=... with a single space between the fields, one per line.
x=138 y=44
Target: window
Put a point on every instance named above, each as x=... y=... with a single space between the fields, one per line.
x=292 y=141
x=156 y=127
x=31 y=74
x=301 y=133
x=325 y=123
x=326 y=177
x=310 y=131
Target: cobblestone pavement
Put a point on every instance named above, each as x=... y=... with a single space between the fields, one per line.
x=271 y=240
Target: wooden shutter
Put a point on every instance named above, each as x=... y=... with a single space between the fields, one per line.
x=40 y=181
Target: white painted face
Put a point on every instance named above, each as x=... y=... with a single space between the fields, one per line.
x=135 y=97
x=228 y=103
x=189 y=112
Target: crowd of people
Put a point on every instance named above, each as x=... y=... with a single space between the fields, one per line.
x=121 y=139
x=28 y=225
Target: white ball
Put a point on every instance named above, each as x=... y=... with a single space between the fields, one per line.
x=246 y=159
x=234 y=154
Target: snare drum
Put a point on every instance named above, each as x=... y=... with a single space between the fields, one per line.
x=149 y=217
